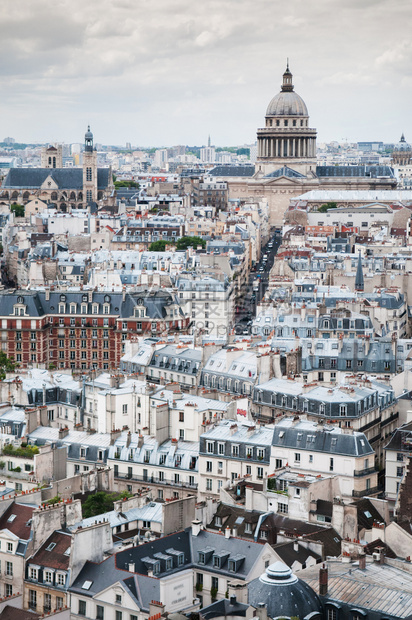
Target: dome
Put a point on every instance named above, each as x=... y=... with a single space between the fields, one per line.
x=287 y=102
x=88 y=135
x=283 y=594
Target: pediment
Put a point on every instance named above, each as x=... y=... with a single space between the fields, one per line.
x=281 y=180
x=49 y=183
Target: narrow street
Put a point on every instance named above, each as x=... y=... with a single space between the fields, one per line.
x=257 y=284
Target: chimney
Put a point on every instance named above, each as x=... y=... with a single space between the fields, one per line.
x=63 y=432
x=131 y=567
x=47 y=294
x=196 y=527
x=227 y=532
x=234 y=531
x=323 y=581
x=261 y=612
x=362 y=562
x=140 y=442
x=295 y=546
x=232 y=600
x=128 y=439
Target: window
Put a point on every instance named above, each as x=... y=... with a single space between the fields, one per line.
x=33 y=573
x=210 y=447
x=297 y=457
x=59 y=602
x=47 y=602
x=260 y=473
x=215 y=583
x=9 y=547
x=331 y=613
x=342 y=409
x=61 y=579
x=118 y=599
x=399 y=472
x=124 y=409
x=48 y=577
x=235 y=450
x=9 y=569
x=8 y=589
x=399 y=456
x=330 y=464
x=208 y=484
x=82 y=608
x=282 y=508
x=32 y=600
x=209 y=465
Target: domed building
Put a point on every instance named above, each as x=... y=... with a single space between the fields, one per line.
x=286 y=139
x=284 y=595
x=286 y=161
x=402 y=153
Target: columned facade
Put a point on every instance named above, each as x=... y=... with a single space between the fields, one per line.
x=286 y=139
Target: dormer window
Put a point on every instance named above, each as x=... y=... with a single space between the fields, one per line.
x=156 y=568
x=201 y=559
x=72 y=308
x=95 y=308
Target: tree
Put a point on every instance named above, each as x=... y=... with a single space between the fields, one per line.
x=158 y=246
x=6 y=365
x=187 y=242
x=101 y=502
x=124 y=183
x=327 y=206
x=17 y=209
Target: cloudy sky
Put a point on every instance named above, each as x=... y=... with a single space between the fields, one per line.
x=164 y=72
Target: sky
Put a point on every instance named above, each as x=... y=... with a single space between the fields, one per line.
x=166 y=72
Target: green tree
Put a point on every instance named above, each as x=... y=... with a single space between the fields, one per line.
x=327 y=206
x=6 y=365
x=119 y=184
x=101 y=502
x=187 y=242
x=17 y=209
x=158 y=246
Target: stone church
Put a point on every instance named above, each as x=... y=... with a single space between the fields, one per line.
x=286 y=162
x=67 y=188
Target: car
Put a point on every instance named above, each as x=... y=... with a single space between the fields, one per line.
x=261 y=268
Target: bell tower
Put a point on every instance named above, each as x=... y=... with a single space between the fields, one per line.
x=89 y=169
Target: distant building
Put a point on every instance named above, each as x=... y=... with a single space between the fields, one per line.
x=67 y=188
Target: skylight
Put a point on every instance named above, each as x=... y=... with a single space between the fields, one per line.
x=11 y=518
x=87 y=585
x=51 y=546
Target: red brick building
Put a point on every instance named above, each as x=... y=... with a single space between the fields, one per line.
x=82 y=329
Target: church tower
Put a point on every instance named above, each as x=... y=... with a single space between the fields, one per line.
x=286 y=140
x=89 y=169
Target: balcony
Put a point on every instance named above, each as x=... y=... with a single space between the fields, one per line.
x=365 y=472
x=156 y=480
x=365 y=492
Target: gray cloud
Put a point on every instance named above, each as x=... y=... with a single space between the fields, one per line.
x=168 y=71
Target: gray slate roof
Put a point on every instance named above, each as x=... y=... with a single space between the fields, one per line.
x=66 y=178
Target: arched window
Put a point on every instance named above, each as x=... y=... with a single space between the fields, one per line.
x=53 y=196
